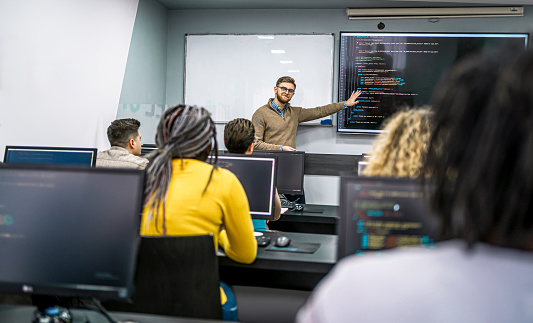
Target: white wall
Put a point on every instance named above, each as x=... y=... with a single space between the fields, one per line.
x=62 y=64
x=143 y=91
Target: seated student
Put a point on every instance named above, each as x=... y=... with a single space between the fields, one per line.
x=400 y=151
x=125 y=140
x=239 y=136
x=187 y=196
x=480 y=156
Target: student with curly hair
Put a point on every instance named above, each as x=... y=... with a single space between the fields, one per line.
x=400 y=150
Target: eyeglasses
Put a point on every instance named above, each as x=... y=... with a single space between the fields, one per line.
x=284 y=89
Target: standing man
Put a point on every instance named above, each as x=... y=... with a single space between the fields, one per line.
x=276 y=122
x=125 y=140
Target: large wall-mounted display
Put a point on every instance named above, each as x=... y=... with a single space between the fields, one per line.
x=395 y=70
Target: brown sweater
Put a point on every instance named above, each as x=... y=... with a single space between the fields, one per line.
x=272 y=130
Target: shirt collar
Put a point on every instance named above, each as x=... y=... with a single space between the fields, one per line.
x=276 y=107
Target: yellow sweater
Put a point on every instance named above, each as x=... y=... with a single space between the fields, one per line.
x=224 y=205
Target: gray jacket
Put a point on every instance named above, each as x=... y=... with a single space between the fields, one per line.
x=118 y=157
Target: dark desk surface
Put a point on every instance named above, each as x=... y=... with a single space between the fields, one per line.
x=308 y=222
x=283 y=269
x=321 y=261
x=310 y=214
x=23 y=313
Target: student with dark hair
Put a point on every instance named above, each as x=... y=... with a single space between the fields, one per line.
x=239 y=136
x=125 y=140
x=184 y=195
x=276 y=122
x=480 y=155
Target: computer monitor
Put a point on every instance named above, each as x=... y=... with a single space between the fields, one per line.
x=51 y=155
x=146 y=149
x=69 y=231
x=290 y=168
x=257 y=176
x=379 y=213
x=398 y=69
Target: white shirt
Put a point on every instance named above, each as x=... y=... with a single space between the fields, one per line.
x=446 y=283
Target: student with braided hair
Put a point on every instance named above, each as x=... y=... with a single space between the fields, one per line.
x=184 y=195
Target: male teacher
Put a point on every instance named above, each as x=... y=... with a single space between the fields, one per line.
x=276 y=122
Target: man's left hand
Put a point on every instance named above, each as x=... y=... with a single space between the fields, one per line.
x=353 y=98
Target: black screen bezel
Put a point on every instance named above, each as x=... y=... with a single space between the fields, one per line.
x=340 y=115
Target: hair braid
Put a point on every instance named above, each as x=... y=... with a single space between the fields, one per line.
x=183 y=132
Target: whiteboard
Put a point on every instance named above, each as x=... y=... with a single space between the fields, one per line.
x=233 y=75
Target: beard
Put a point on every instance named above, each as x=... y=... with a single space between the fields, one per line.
x=282 y=99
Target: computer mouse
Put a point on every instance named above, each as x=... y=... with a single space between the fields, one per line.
x=262 y=241
x=298 y=207
x=283 y=241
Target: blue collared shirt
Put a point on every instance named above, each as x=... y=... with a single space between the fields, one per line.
x=276 y=107
x=281 y=113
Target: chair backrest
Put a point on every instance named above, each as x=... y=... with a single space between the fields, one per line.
x=176 y=276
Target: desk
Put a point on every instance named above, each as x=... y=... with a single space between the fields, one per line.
x=308 y=222
x=278 y=269
x=24 y=314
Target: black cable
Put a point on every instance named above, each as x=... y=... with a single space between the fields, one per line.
x=102 y=310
